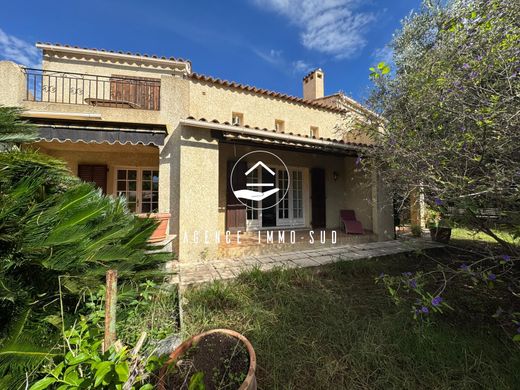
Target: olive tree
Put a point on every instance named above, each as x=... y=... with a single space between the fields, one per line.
x=447 y=126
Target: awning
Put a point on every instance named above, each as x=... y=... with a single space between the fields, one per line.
x=103 y=132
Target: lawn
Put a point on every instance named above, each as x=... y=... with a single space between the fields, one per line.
x=461 y=233
x=333 y=328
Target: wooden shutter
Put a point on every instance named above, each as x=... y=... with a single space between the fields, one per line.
x=318 y=198
x=96 y=174
x=138 y=92
x=236 y=214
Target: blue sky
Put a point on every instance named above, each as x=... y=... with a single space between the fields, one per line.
x=271 y=44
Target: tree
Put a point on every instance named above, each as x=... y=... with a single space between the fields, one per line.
x=450 y=111
x=58 y=236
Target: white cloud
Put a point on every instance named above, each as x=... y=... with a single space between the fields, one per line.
x=274 y=57
x=333 y=27
x=301 y=66
x=18 y=50
x=384 y=54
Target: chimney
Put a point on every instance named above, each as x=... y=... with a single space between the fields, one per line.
x=313 y=85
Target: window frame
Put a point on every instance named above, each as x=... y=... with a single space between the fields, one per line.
x=139 y=186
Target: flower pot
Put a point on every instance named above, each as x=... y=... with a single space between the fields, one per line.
x=249 y=382
x=161 y=232
x=440 y=234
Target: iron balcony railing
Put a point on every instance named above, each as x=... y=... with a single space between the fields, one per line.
x=104 y=91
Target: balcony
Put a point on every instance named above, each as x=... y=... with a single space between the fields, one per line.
x=93 y=90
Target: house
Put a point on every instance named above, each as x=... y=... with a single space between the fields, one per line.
x=168 y=139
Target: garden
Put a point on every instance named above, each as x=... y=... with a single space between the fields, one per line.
x=86 y=300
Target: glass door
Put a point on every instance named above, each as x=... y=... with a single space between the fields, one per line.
x=127 y=187
x=140 y=187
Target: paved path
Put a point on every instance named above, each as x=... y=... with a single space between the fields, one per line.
x=199 y=272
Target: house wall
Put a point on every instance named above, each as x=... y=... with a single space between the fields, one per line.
x=212 y=101
x=198 y=193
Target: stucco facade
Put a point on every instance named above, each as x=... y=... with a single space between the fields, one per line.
x=208 y=123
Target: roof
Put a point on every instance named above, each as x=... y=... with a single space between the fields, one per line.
x=270 y=133
x=266 y=92
x=113 y=53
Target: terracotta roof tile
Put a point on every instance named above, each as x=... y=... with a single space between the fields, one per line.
x=260 y=91
x=339 y=141
x=119 y=52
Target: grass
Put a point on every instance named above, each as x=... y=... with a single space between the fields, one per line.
x=461 y=233
x=332 y=327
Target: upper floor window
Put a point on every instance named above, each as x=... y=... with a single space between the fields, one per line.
x=237 y=118
x=279 y=125
x=314 y=132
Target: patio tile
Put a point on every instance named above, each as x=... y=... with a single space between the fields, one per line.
x=327 y=259
x=197 y=272
x=305 y=262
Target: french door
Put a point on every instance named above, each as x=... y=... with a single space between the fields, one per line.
x=140 y=187
x=289 y=210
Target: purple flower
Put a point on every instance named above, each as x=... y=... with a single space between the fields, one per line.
x=465 y=66
x=464 y=267
x=425 y=310
x=413 y=283
x=506 y=257
x=492 y=277
x=382 y=274
x=473 y=75
x=437 y=201
x=437 y=301
x=407 y=274
x=358 y=160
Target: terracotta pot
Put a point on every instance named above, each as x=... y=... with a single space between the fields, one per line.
x=250 y=381
x=161 y=231
x=440 y=234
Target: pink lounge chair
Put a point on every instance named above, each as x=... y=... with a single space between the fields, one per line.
x=349 y=221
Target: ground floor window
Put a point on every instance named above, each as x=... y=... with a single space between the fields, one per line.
x=140 y=187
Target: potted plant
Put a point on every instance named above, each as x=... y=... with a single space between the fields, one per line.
x=219 y=358
x=440 y=229
x=161 y=232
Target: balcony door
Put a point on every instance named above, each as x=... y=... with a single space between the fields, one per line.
x=140 y=187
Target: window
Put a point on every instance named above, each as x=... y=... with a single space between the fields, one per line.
x=315 y=132
x=279 y=125
x=283 y=183
x=297 y=194
x=140 y=187
x=252 y=212
x=237 y=118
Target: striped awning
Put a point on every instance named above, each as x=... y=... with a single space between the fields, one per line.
x=103 y=133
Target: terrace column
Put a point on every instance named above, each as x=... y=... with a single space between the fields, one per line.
x=198 y=195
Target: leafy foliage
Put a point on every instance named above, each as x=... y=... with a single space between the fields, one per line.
x=83 y=366
x=13 y=130
x=450 y=113
x=58 y=236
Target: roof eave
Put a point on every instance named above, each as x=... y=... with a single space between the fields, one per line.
x=186 y=66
